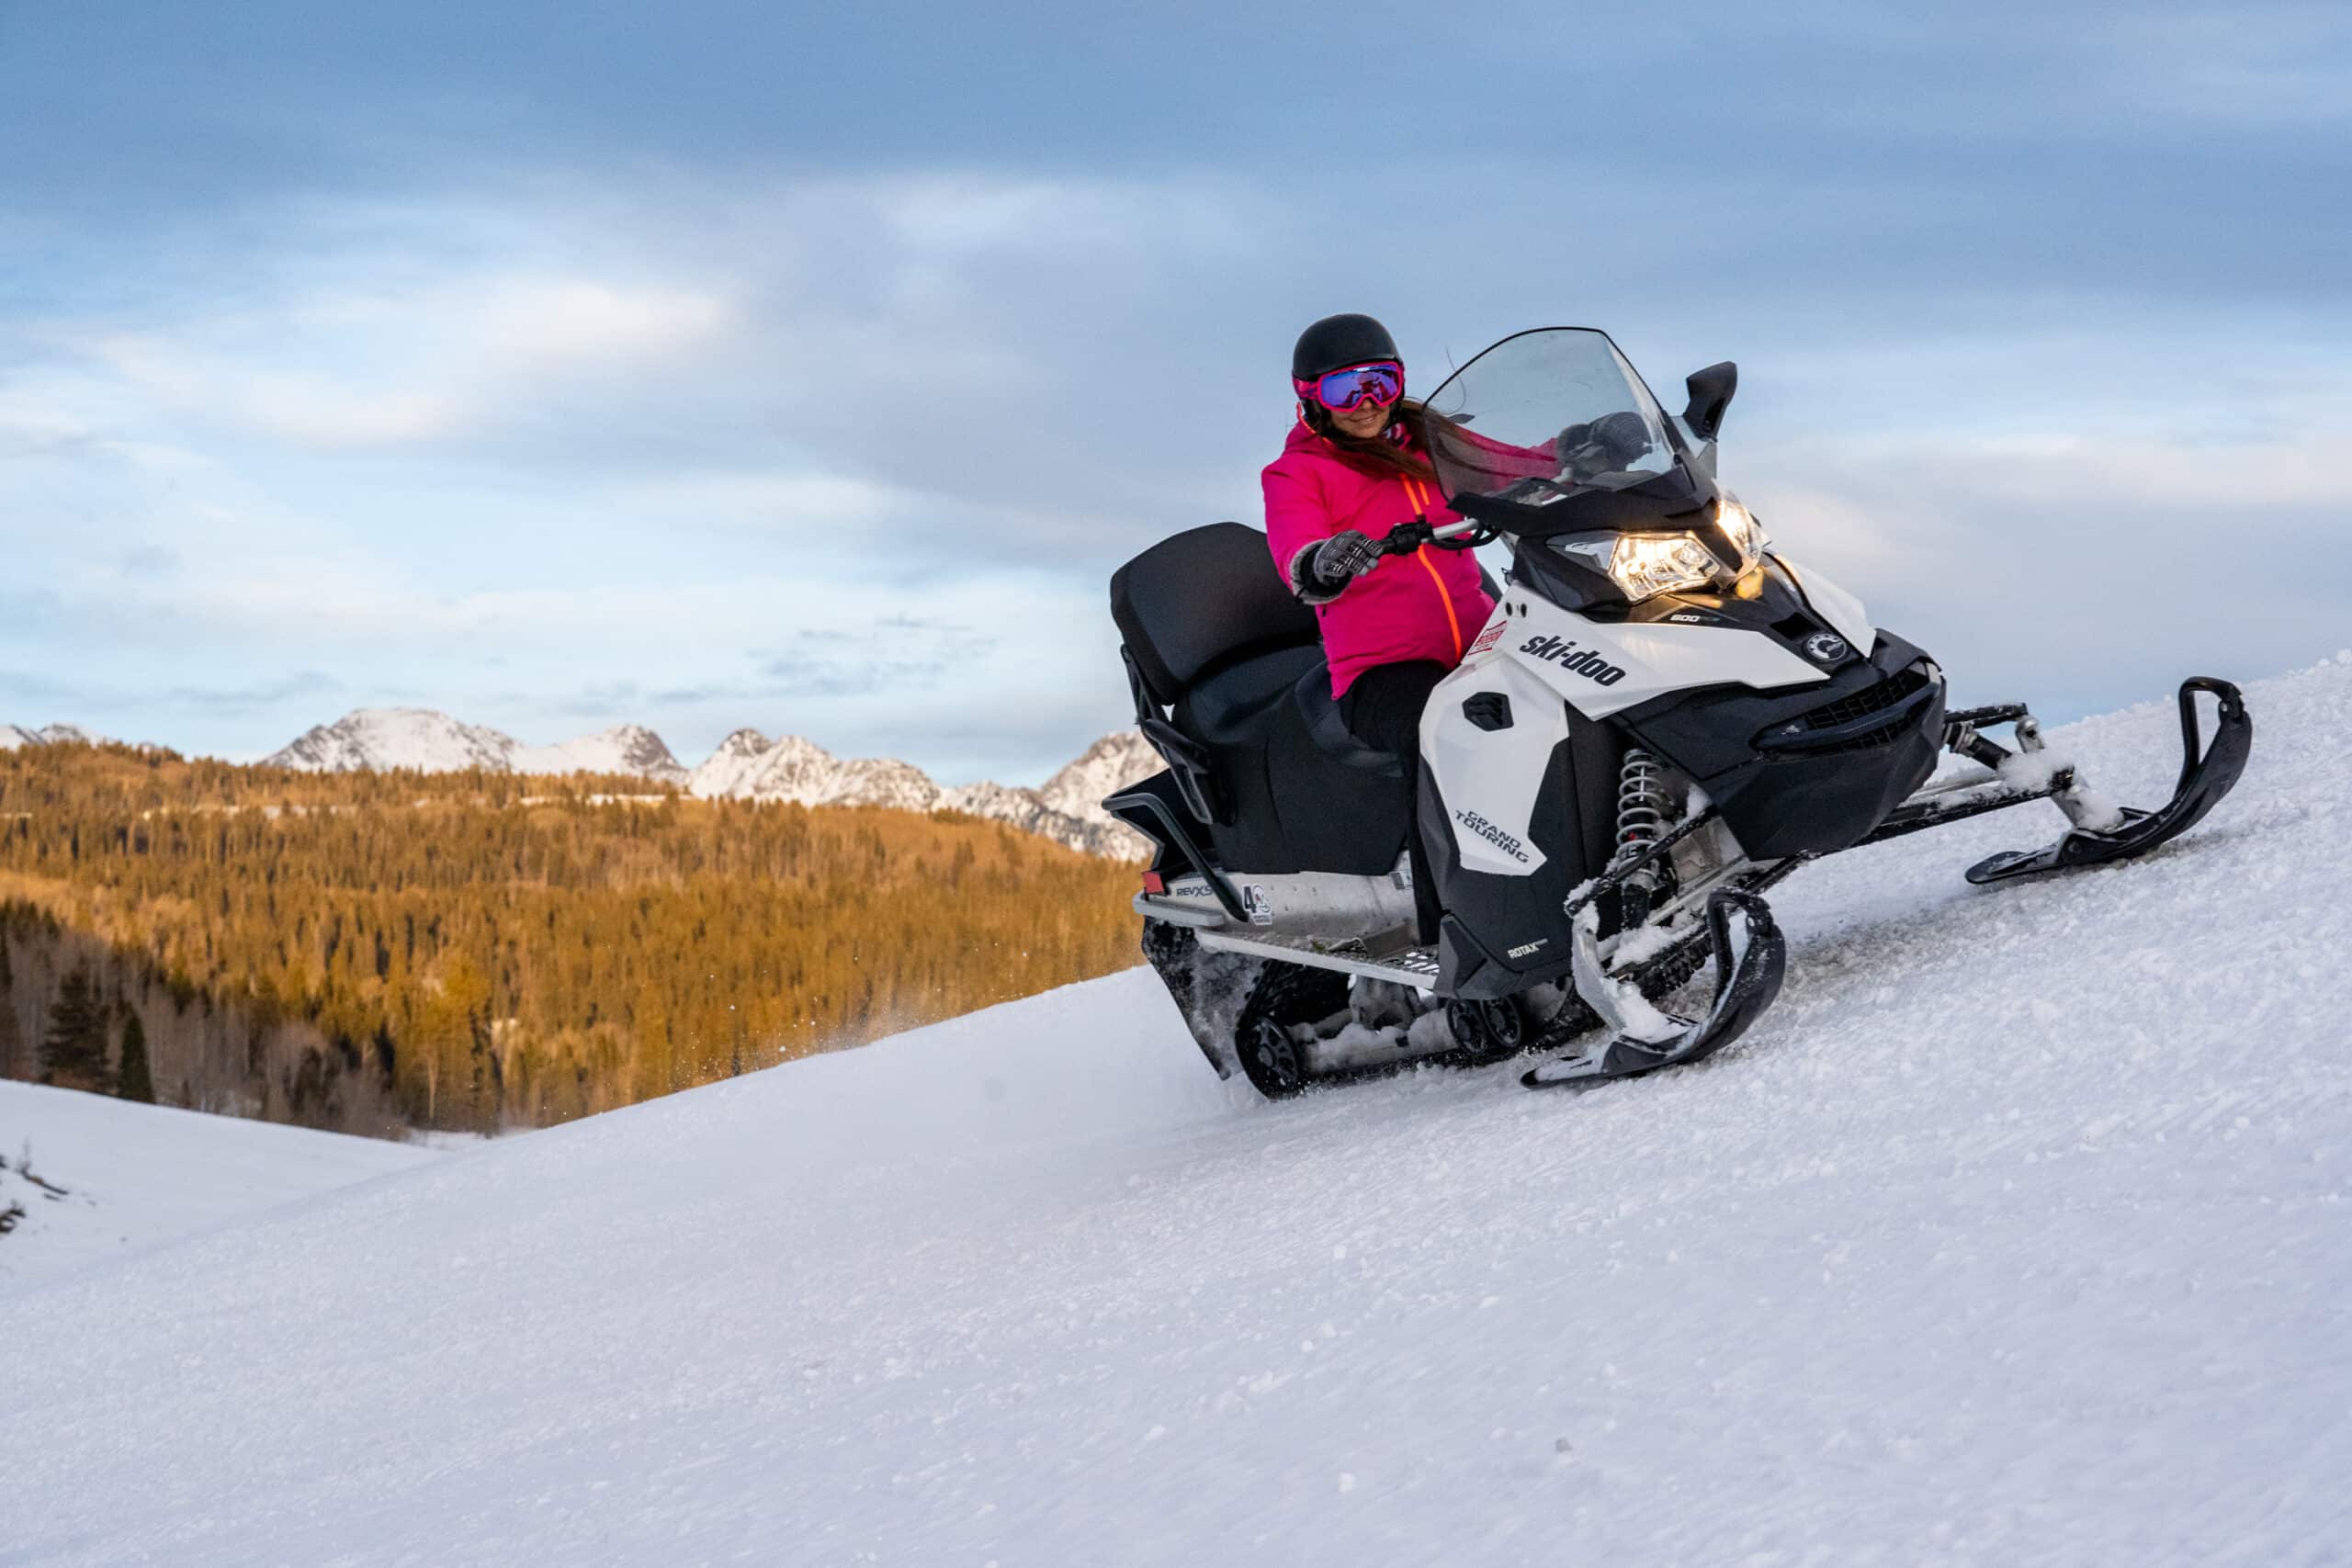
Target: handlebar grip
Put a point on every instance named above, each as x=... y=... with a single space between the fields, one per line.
x=1406 y=537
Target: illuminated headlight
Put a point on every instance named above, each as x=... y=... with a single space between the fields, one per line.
x=1648 y=564
x=1740 y=527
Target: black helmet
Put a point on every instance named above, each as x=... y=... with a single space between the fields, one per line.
x=1338 y=341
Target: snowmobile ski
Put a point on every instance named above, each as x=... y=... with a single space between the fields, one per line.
x=2206 y=775
x=1750 y=957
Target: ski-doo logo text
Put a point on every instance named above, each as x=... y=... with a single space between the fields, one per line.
x=1492 y=834
x=1564 y=653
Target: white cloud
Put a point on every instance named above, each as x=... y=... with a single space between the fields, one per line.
x=758 y=498
x=534 y=323
x=338 y=368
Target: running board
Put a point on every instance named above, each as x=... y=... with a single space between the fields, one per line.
x=1414 y=966
x=2206 y=775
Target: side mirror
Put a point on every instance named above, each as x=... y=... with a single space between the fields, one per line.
x=1711 y=391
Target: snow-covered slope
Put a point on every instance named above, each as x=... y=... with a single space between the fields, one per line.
x=98 y=1178
x=2021 y=1231
x=427 y=741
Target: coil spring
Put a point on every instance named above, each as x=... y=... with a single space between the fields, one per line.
x=1642 y=804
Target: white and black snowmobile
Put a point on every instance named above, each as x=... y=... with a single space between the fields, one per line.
x=1662 y=719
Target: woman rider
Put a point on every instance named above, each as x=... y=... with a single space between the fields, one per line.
x=1354 y=467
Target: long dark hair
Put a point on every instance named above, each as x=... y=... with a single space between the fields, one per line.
x=1410 y=457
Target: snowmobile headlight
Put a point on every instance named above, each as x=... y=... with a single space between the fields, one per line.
x=1643 y=565
x=1740 y=527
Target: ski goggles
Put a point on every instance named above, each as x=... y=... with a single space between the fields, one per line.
x=1381 y=382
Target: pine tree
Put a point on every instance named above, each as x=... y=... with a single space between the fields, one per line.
x=132 y=1079
x=9 y=1042
x=74 y=1054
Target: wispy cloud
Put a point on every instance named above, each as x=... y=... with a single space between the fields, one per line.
x=460 y=358
x=895 y=653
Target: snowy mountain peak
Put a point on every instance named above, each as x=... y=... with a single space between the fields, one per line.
x=791 y=768
x=1118 y=760
x=624 y=749
x=13 y=736
x=736 y=760
x=741 y=743
x=385 y=738
x=746 y=765
x=428 y=741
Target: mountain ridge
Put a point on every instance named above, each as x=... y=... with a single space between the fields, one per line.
x=13 y=736
x=745 y=766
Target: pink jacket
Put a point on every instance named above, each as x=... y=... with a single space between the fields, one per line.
x=1425 y=605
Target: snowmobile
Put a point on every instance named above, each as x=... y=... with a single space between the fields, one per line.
x=1663 y=718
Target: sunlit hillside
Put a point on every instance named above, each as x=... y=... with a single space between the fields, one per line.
x=477 y=950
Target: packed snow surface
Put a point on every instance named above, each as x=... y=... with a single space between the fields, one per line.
x=2018 y=1233
x=100 y=1177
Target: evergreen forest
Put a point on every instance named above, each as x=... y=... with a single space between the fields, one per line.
x=381 y=953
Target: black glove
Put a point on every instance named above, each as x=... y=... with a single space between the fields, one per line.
x=1622 y=439
x=1569 y=448
x=1341 y=559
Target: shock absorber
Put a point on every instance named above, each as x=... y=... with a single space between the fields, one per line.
x=1643 y=805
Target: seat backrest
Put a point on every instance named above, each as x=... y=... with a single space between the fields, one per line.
x=1203 y=599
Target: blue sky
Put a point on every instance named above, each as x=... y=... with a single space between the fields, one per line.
x=811 y=369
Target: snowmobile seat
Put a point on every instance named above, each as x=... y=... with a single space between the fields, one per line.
x=1218 y=653
x=1203 y=600
x=1320 y=709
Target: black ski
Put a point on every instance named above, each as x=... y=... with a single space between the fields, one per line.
x=2206 y=775
x=1747 y=978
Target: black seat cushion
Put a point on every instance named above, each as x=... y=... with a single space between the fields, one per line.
x=1294 y=807
x=1218 y=637
x=1204 y=598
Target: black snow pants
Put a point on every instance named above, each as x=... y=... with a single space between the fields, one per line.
x=1383 y=707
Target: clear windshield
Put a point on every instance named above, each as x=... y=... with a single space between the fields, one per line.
x=1543 y=415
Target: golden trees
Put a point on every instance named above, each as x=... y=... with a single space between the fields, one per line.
x=490 y=950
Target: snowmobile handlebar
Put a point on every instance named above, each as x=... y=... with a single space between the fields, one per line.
x=1407 y=537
